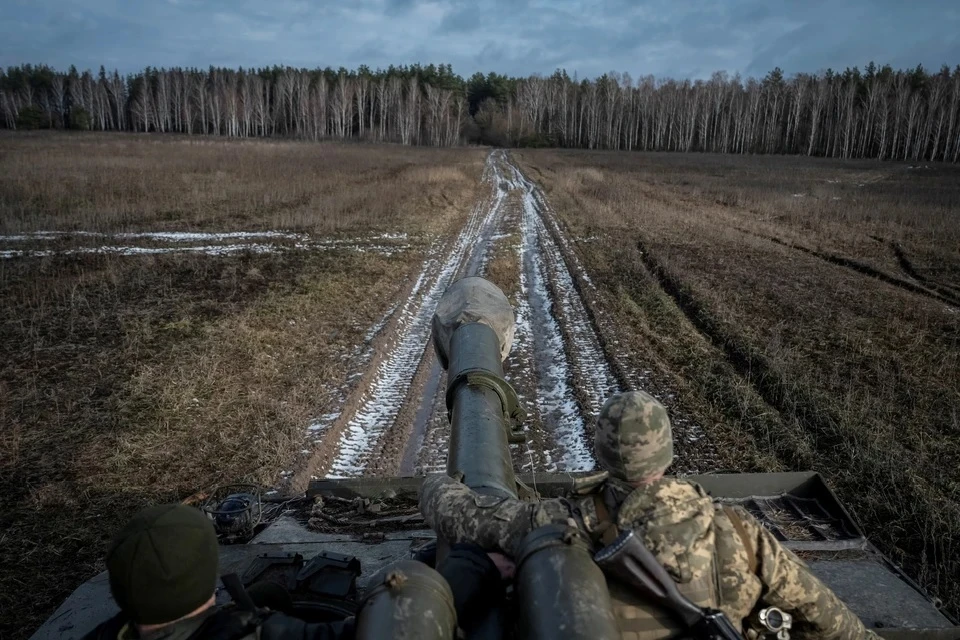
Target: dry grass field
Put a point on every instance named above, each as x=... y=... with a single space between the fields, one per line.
x=807 y=312
x=177 y=311
x=196 y=361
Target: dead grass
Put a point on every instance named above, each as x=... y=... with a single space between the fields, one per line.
x=807 y=312
x=127 y=380
x=129 y=183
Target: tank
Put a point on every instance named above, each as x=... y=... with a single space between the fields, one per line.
x=344 y=546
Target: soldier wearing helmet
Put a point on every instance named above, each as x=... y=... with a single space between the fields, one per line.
x=720 y=557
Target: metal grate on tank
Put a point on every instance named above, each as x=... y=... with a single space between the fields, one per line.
x=801 y=523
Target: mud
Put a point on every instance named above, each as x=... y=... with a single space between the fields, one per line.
x=395 y=422
x=430 y=422
x=537 y=453
x=696 y=453
x=575 y=377
x=421 y=420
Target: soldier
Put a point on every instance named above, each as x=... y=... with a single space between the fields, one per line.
x=163 y=568
x=720 y=557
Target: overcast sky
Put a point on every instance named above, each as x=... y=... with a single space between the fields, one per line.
x=678 y=38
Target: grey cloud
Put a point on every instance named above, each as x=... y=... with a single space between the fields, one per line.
x=692 y=38
x=398 y=7
x=461 y=20
x=752 y=13
x=884 y=35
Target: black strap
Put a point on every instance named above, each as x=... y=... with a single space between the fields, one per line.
x=233 y=585
x=628 y=560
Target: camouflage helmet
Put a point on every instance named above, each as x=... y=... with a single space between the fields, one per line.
x=633 y=440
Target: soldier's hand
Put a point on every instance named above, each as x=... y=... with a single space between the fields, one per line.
x=505 y=565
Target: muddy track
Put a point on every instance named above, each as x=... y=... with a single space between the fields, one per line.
x=751 y=366
x=907 y=267
x=574 y=376
x=394 y=420
x=386 y=404
x=923 y=289
x=695 y=451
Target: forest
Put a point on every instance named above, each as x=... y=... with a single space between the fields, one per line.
x=877 y=113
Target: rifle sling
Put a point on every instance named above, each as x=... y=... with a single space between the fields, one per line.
x=744 y=538
x=606 y=527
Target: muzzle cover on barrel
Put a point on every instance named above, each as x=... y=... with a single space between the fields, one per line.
x=472 y=332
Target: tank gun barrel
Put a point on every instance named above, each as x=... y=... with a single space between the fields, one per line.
x=561 y=592
x=472 y=332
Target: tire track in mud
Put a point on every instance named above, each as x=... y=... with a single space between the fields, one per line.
x=536 y=454
x=397 y=422
x=866 y=270
x=907 y=267
x=923 y=289
x=601 y=333
x=573 y=374
x=519 y=368
x=751 y=367
x=401 y=373
x=426 y=450
x=556 y=364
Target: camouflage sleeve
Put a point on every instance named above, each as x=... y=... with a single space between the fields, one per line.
x=459 y=514
x=789 y=585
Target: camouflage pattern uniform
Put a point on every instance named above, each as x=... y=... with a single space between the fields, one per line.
x=697 y=541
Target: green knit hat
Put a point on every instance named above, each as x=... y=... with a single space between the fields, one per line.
x=163 y=564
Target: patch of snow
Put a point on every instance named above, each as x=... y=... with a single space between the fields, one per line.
x=211 y=250
x=589 y=358
x=321 y=424
x=164 y=236
x=187 y=236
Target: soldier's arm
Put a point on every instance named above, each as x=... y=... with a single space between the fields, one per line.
x=459 y=514
x=789 y=585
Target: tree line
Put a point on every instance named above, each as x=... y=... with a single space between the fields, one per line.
x=875 y=113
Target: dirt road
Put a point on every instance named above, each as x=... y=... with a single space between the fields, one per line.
x=395 y=422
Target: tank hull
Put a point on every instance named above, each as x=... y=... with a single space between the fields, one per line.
x=843 y=558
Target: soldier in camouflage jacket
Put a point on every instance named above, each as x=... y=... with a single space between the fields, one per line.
x=720 y=557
